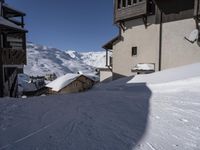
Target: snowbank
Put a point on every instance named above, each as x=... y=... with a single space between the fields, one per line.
x=179 y=73
x=114 y=116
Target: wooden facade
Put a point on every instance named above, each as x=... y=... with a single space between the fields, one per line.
x=126 y=9
x=12 y=48
x=172 y=9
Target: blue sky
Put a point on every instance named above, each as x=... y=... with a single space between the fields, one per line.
x=68 y=24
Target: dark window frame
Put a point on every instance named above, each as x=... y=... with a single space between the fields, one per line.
x=134 y=51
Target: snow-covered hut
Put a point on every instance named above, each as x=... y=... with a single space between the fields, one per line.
x=70 y=83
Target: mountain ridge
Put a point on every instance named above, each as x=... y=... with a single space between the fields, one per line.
x=44 y=60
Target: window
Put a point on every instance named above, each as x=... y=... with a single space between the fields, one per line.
x=129 y=2
x=151 y=7
x=111 y=61
x=134 y=51
x=119 y=4
x=134 y=1
x=123 y=3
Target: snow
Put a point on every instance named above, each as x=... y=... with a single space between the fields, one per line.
x=44 y=60
x=24 y=84
x=65 y=80
x=169 y=75
x=160 y=113
x=144 y=67
x=95 y=59
x=62 y=82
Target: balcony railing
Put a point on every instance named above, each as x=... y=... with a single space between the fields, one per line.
x=130 y=11
x=13 y=57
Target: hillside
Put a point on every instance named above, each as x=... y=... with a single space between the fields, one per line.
x=43 y=60
x=126 y=114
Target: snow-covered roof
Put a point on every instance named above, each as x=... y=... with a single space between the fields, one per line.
x=92 y=77
x=7 y=23
x=144 y=67
x=24 y=83
x=63 y=81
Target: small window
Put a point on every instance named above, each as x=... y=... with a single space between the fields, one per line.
x=119 y=4
x=134 y=1
x=151 y=7
x=134 y=51
x=123 y=3
x=129 y=2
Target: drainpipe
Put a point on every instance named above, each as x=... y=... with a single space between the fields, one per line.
x=160 y=41
x=1 y=72
x=197 y=13
x=106 y=57
x=1 y=67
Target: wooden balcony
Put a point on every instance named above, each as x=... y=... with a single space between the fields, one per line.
x=124 y=11
x=13 y=57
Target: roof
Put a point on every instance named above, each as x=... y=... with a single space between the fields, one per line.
x=7 y=23
x=109 y=45
x=94 y=78
x=63 y=81
x=13 y=9
x=104 y=69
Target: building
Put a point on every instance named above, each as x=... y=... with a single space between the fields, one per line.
x=12 y=48
x=154 y=35
x=105 y=74
x=31 y=86
x=70 y=83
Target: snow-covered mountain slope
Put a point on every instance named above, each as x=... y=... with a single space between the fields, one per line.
x=43 y=60
x=114 y=116
x=95 y=59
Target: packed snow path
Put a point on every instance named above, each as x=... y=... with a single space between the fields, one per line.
x=116 y=116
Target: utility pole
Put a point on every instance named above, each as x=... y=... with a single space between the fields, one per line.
x=1 y=61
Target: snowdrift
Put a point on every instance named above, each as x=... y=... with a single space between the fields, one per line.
x=114 y=116
x=169 y=75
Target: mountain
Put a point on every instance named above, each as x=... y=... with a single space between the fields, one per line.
x=43 y=60
x=95 y=59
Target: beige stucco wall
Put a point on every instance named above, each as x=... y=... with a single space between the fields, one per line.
x=176 y=50
x=135 y=35
x=105 y=75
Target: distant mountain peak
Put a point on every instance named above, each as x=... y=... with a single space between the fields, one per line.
x=43 y=60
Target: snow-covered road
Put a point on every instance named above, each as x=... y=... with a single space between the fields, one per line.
x=115 y=116
x=93 y=120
